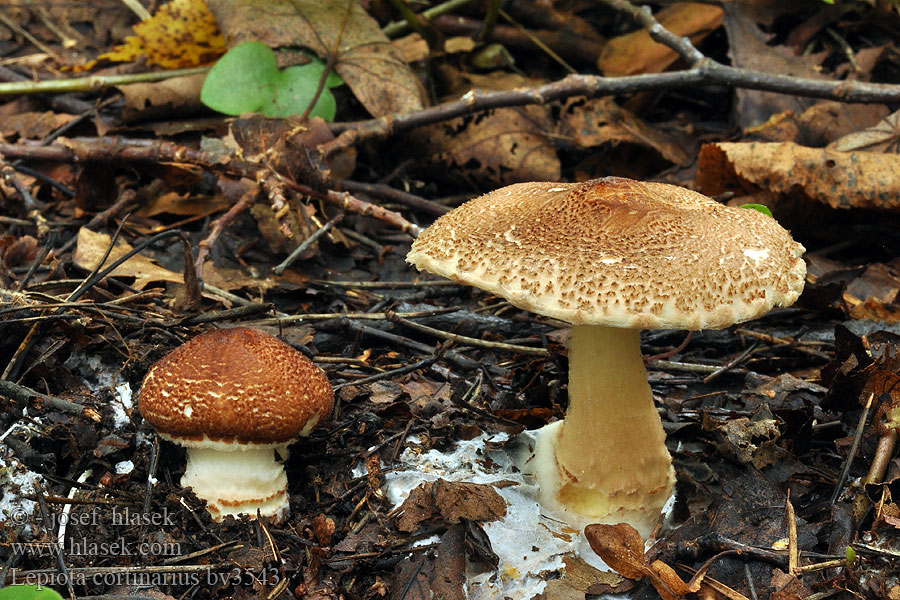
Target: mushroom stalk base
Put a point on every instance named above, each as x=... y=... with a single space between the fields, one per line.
x=238 y=482
x=607 y=462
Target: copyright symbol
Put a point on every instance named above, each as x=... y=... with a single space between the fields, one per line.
x=19 y=516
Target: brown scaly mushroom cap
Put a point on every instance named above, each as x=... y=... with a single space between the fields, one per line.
x=612 y=256
x=617 y=252
x=234 y=396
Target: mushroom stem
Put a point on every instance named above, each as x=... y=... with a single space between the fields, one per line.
x=607 y=462
x=238 y=481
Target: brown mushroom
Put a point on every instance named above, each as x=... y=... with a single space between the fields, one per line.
x=613 y=256
x=235 y=397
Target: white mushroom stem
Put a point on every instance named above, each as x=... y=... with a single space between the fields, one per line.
x=607 y=462
x=238 y=481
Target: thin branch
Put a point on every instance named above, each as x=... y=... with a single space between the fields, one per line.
x=644 y=16
x=93 y=82
x=702 y=71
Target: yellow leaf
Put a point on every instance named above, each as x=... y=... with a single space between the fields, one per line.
x=182 y=33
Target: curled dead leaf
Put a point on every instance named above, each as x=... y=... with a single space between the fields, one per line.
x=622 y=548
x=839 y=179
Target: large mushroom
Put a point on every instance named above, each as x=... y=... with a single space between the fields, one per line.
x=613 y=256
x=235 y=397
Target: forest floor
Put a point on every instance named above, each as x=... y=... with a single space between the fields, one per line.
x=782 y=430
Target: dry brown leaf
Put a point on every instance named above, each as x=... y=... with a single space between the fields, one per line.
x=598 y=121
x=233 y=279
x=418 y=507
x=819 y=125
x=17 y=251
x=636 y=52
x=456 y=500
x=370 y=66
x=323 y=528
x=620 y=546
x=177 y=95
x=839 y=179
x=499 y=147
x=283 y=144
x=560 y=589
x=32 y=125
x=873 y=295
x=92 y=246
x=749 y=48
x=453 y=501
x=185 y=205
x=787 y=587
x=883 y=137
x=750 y=441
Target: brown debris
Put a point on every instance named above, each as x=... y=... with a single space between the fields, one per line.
x=451 y=501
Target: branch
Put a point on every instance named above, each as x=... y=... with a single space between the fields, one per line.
x=93 y=82
x=645 y=18
x=116 y=149
x=702 y=71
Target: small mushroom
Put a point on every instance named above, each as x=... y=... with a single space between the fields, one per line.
x=613 y=256
x=235 y=397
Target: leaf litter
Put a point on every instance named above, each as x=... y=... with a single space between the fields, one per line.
x=783 y=431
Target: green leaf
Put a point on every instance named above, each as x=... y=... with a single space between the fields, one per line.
x=295 y=91
x=247 y=79
x=28 y=592
x=759 y=207
x=243 y=80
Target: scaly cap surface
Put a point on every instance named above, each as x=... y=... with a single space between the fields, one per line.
x=235 y=385
x=617 y=252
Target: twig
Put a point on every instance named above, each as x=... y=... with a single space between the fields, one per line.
x=751 y=586
x=329 y=61
x=386 y=285
x=398 y=27
x=299 y=250
x=229 y=314
x=372 y=316
x=247 y=193
x=155 y=151
x=386 y=191
x=452 y=355
x=801 y=346
x=731 y=364
x=672 y=365
x=793 y=549
x=576 y=48
x=828 y=564
x=24 y=394
x=422 y=364
x=857 y=437
x=536 y=41
x=886 y=552
x=350 y=203
x=465 y=340
x=93 y=82
x=887 y=442
x=645 y=18
x=8 y=174
x=663 y=355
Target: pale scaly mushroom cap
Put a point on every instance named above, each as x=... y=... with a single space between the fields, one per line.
x=235 y=386
x=617 y=252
